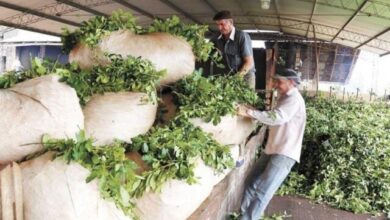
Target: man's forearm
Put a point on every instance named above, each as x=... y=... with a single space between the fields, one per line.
x=247 y=65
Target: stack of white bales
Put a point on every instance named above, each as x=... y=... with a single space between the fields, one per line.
x=56 y=190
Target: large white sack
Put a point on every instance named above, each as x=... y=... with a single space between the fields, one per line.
x=122 y=116
x=231 y=129
x=56 y=190
x=35 y=107
x=178 y=199
x=164 y=50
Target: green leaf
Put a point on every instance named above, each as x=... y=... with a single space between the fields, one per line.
x=145 y=147
x=124 y=196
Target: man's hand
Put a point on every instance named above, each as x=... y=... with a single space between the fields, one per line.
x=242 y=111
x=241 y=73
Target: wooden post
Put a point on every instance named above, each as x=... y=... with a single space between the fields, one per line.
x=317 y=53
x=271 y=57
x=370 y=94
x=355 y=56
x=334 y=63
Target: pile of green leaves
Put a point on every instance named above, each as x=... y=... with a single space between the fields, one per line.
x=38 y=68
x=115 y=173
x=213 y=97
x=346 y=156
x=129 y=74
x=93 y=30
x=172 y=151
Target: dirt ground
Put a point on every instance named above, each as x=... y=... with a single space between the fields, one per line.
x=304 y=209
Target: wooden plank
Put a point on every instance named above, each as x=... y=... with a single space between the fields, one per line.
x=18 y=191
x=6 y=194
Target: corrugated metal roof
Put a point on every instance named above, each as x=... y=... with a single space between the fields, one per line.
x=363 y=24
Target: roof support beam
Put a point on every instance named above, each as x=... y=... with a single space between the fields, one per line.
x=38 y=13
x=384 y=54
x=366 y=12
x=373 y=37
x=311 y=17
x=350 y=19
x=9 y=24
x=210 y=5
x=321 y=29
x=174 y=7
x=278 y=15
x=251 y=18
x=135 y=8
x=82 y=7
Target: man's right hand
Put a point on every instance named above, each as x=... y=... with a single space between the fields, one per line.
x=241 y=73
x=242 y=110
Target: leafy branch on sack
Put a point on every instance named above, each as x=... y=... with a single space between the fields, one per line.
x=131 y=74
x=213 y=97
x=171 y=152
x=108 y=164
x=93 y=30
x=121 y=74
x=38 y=68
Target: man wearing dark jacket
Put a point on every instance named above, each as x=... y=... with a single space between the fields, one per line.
x=235 y=47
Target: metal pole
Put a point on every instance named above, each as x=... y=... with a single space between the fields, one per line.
x=370 y=94
x=343 y=93
x=330 y=92
x=357 y=93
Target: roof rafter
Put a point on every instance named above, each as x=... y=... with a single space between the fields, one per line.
x=311 y=17
x=322 y=29
x=278 y=15
x=210 y=5
x=350 y=19
x=9 y=24
x=384 y=54
x=82 y=7
x=371 y=10
x=38 y=13
x=57 y=8
x=251 y=19
x=373 y=37
x=176 y=8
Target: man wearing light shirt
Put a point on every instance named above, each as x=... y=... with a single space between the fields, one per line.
x=235 y=47
x=286 y=128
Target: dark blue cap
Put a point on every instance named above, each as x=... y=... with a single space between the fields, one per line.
x=287 y=73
